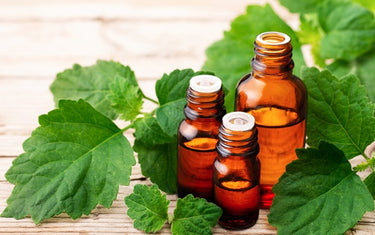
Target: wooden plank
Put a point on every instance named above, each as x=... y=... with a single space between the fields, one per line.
x=149 y=48
x=80 y=10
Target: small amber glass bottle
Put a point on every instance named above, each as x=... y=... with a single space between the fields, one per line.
x=277 y=99
x=236 y=171
x=197 y=136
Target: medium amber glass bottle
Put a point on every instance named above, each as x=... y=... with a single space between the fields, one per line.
x=236 y=171
x=197 y=136
x=277 y=99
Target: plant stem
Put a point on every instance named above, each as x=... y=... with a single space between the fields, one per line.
x=127 y=127
x=150 y=99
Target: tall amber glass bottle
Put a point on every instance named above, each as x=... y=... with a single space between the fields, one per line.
x=277 y=99
x=197 y=136
x=236 y=171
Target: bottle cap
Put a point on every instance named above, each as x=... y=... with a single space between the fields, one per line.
x=205 y=83
x=238 y=121
x=273 y=38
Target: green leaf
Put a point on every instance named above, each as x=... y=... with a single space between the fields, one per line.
x=339 y=112
x=349 y=30
x=147 y=207
x=319 y=194
x=125 y=98
x=304 y=6
x=92 y=84
x=159 y=162
x=149 y=132
x=173 y=86
x=310 y=33
x=370 y=183
x=194 y=216
x=369 y=4
x=362 y=67
x=170 y=115
x=230 y=57
x=75 y=160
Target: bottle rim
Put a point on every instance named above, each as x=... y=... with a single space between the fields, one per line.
x=238 y=121
x=205 y=83
x=260 y=38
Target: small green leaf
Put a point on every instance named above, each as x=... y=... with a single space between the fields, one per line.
x=230 y=57
x=159 y=162
x=319 y=194
x=349 y=30
x=310 y=33
x=305 y=6
x=147 y=207
x=173 y=86
x=91 y=84
x=170 y=115
x=125 y=98
x=194 y=216
x=75 y=160
x=149 y=132
x=339 y=112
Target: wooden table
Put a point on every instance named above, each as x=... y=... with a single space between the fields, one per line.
x=40 y=38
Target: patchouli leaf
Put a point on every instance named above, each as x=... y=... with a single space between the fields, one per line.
x=148 y=132
x=147 y=207
x=173 y=86
x=229 y=58
x=91 y=84
x=170 y=115
x=319 y=194
x=75 y=160
x=339 y=112
x=370 y=183
x=126 y=98
x=194 y=216
x=363 y=67
x=349 y=30
x=159 y=162
x=305 y=6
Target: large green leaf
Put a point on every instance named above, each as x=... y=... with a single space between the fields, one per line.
x=363 y=67
x=147 y=207
x=194 y=216
x=302 y=6
x=159 y=162
x=92 y=84
x=349 y=30
x=339 y=112
x=76 y=159
x=229 y=58
x=319 y=194
x=170 y=115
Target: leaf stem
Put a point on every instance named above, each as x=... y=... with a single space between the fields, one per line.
x=127 y=127
x=150 y=99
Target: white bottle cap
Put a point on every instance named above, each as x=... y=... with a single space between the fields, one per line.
x=205 y=83
x=238 y=121
x=273 y=38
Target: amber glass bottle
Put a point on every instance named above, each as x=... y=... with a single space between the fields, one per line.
x=236 y=171
x=197 y=136
x=277 y=100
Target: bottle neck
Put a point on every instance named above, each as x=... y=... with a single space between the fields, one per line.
x=238 y=143
x=203 y=106
x=273 y=56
